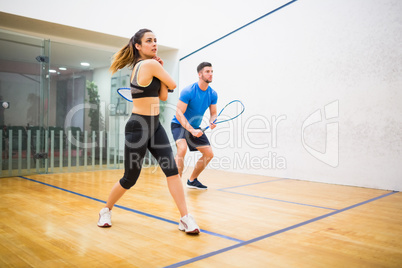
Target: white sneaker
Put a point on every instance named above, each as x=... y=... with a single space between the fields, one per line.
x=105 y=218
x=188 y=225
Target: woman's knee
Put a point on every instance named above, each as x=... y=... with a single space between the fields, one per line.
x=127 y=183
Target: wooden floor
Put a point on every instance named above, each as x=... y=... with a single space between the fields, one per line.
x=246 y=221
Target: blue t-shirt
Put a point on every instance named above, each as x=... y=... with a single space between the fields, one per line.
x=198 y=101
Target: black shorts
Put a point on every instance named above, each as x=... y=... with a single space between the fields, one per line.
x=193 y=143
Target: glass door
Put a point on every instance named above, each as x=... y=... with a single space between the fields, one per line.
x=56 y=114
x=24 y=91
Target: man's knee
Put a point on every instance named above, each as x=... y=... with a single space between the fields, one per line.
x=209 y=154
x=181 y=148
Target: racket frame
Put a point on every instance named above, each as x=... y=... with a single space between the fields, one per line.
x=124 y=88
x=215 y=121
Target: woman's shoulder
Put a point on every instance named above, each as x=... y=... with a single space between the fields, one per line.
x=149 y=62
x=151 y=65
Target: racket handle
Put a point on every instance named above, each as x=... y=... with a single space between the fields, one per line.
x=205 y=128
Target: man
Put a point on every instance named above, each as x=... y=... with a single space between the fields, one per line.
x=194 y=100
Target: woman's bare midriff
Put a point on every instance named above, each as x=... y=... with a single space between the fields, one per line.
x=146 y=106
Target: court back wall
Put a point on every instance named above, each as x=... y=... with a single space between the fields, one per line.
x=321 y=81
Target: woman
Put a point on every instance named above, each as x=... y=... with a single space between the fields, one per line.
x=149 y=84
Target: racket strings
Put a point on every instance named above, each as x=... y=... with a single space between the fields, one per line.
x=230 y=111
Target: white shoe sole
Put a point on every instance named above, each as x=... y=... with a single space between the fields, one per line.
x=194 y=187
x=105 y=225
x=195 y=231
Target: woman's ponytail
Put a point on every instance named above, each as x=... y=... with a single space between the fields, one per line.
x=128 y=55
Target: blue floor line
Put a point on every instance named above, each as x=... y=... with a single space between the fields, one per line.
x=201 y=257
x=273 y=199
x=280 y=200
x=133 y=210
x=173 y=222
x=261 y=182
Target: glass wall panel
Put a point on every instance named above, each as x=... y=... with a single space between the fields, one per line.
x=24 y=63
x=60 y=116
x=80 y=98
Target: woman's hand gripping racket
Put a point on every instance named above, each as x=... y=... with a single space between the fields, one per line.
x=231 y=111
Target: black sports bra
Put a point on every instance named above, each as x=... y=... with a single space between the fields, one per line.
x=151 y=90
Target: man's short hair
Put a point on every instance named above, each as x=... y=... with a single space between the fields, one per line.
x=202 y=65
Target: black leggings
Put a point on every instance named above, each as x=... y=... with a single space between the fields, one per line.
x=145 y=132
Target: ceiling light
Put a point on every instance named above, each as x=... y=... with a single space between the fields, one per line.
x=52 y=71
x=62 y=68
x=85 y=64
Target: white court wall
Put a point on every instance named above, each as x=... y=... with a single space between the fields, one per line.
x=321 y=81
x=202 y=22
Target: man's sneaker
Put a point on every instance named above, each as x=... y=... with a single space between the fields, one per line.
x=195 y=184
x=105 y=218
x=188 y=225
